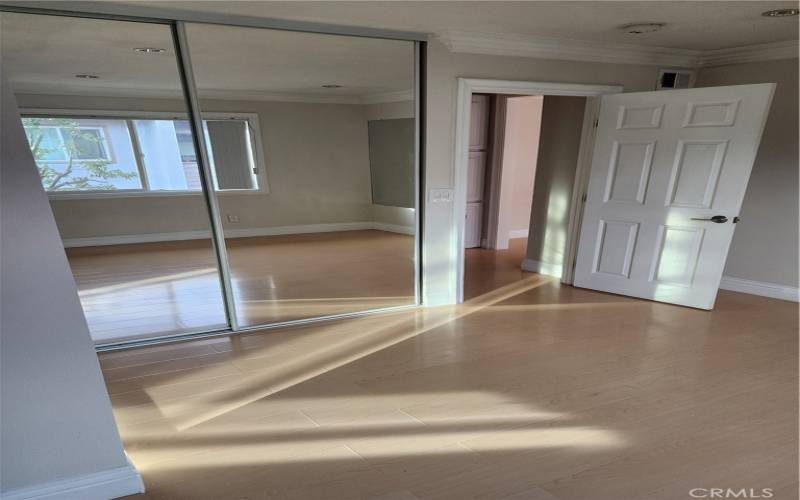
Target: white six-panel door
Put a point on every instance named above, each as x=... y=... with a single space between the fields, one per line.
x=664 y=163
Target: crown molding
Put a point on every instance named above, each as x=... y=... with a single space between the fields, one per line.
x=749 y=53
x=509 y=44
x=225 y=95
x=382 y=97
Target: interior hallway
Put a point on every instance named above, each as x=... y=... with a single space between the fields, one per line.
x=487 y=270
x=530 y=391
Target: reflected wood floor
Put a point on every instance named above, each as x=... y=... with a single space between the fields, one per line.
x=153 y=289
x=530 y=390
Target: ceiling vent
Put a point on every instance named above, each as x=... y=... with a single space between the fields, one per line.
x=675 y=79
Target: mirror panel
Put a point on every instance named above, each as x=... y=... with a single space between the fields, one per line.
x=311 y=138
x=107 y=124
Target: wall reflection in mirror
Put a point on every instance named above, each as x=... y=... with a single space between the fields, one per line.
x=326 y=225
x=310 y=149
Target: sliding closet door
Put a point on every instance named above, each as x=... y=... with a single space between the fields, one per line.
x=106 y=119
x=311 y=140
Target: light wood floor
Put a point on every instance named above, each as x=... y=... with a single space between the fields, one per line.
x=530 y=390
x=153 y=289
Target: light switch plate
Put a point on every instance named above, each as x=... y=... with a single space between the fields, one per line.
x=440 y=196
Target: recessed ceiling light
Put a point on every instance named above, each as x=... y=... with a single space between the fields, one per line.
x=331 y=86
x=781 y=13
x=640 y=28
x=87 y=76
x=149 y=50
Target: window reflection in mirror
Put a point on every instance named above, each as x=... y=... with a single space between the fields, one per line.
x=108 y=132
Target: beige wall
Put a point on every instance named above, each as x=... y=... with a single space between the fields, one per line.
x=56 y=415
x=765 y=244
x=520 y=150
x=317 y=164
x=443 y=70
x=562 y=121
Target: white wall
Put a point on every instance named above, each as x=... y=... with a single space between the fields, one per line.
x=443 y=69
x=520 y=151
x=764 y=247
x=56 y=415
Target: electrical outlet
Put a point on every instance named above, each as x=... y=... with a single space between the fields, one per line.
x=233 y=218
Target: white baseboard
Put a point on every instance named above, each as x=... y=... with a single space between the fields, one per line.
x=773 y=290
x=545 y=268
x=392 y=228
x=518 y=233
x=126 y=239
x=112 y=483
x=298 y=229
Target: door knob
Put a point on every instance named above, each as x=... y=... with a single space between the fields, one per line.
x=719 y=219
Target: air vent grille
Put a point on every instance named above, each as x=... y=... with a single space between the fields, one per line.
x=675 y=79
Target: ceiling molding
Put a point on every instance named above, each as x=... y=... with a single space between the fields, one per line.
x=381 y=97
x=223 y=95
x=750 y=53
x=509 y=44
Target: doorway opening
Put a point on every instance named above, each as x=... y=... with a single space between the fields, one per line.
x=526 y=148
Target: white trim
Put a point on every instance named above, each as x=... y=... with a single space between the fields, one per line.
x=773 y=290
x=750 y=53
x=518 y=233
x=544 y=268
x=466 y=87
x=392 y=228
x=111 y=483
x=33 y=88
x=380 y=97
x=590 y=115
x=511 y=44
x=128 y=239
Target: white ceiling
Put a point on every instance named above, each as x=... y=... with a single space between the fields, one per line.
x=42 y=54
x=698 y=25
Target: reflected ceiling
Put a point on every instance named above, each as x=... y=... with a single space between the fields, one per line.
x=43 y=54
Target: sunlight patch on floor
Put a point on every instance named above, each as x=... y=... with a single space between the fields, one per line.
x=334 y=353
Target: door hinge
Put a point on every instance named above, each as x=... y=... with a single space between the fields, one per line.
x=583 y=198
x=596 y=122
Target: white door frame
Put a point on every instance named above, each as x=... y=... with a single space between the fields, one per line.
x=468 y=86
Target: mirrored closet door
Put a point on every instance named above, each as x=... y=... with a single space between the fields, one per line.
x=208 y=178
x=106 y=118
x=311 y=137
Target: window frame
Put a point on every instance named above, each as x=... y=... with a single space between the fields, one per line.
x=255 y=139
x=102 y=134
